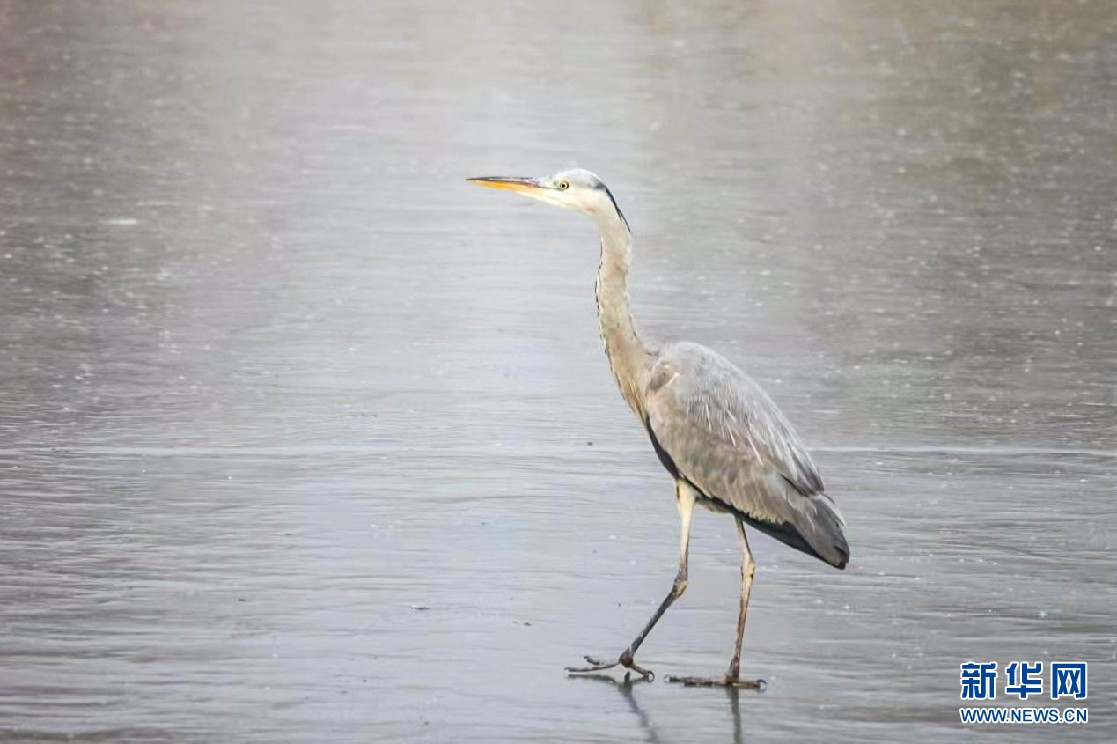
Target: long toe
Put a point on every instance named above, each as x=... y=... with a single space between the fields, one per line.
x=647 y=674
x=595 y=665
x=724 y=681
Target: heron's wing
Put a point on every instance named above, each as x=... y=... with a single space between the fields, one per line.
x=715 y=426
x=700 y=403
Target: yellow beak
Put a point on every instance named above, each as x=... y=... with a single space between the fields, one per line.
x=506 y=182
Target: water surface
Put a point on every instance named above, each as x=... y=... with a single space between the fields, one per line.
x=304 y=439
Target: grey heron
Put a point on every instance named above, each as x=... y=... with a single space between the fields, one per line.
x=722 y=439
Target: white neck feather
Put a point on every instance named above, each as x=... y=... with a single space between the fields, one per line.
x=629 y=356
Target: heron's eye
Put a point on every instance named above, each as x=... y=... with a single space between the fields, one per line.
x=564 y=185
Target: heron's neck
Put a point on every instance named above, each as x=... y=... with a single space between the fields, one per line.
x=628 y=355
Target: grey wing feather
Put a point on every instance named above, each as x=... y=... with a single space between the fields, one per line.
x=725 y=436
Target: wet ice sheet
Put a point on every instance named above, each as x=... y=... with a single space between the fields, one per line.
x=332 y=610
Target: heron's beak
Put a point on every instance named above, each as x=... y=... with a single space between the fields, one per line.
x=519 y=185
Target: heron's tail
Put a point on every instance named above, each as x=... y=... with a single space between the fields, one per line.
x=825 y=535
x=815 y=527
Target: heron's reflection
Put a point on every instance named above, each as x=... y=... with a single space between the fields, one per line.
x=626 y=687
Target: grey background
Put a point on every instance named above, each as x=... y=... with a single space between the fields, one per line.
x=302 y=438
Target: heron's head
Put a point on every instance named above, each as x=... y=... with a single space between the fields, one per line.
x=573 y=189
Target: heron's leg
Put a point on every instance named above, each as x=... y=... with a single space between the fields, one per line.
x=748 y=570
x=684 y=496
x=732 y=677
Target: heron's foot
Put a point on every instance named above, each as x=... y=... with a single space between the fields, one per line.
x=726 y=681
x=625 y=660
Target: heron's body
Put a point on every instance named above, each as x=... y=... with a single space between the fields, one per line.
x=714 y=428
x=721 y=438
